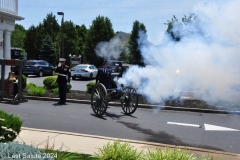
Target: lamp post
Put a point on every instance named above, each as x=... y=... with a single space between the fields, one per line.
x=62 y=13
x=70 y=56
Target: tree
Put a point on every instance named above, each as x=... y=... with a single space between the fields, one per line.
x=33 y=41
x=51 y=26
x=133 y=44
x=47 y=51
x=180 y=29
x=18 y=36
x=70 y=39
x=100 y=30
x=82 y=32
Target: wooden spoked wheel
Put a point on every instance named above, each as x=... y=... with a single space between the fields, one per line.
x=99 y=99
x=129 y=100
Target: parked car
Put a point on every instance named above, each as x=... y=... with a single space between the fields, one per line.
x=84 y=71
x=115 y=65
x=37 y=67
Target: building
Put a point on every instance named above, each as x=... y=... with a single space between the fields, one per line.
x=8 y=16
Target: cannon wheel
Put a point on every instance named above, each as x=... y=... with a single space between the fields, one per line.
x=99 y=99
x=129 y=100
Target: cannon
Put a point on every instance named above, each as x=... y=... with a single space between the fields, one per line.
x=127 y=95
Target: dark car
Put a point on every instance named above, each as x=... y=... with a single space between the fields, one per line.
x=115 y=65
x=37 y=67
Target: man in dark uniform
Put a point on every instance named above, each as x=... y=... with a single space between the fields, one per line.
x=64 y=75
x=104 y=75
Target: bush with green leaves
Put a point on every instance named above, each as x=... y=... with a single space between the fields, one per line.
x=55 y=90
x=10 y=126
x=48 y=81
x=54 y=84
x=90 y=86
x=31 y=84
x=24 y=81
x=36 y=91
x=15 y=150
x=118 y=151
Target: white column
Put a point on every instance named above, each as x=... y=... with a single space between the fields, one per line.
x=7 y=50
x=1 y=45
x=1 y=49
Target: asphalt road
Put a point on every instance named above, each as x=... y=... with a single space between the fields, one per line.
x=78 y=84
x=195 y=129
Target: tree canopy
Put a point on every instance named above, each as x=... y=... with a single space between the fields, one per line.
x=101 y=30
x=134 y=48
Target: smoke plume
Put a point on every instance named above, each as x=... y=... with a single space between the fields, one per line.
x=206 y=61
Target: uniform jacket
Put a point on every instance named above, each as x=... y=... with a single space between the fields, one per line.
x=104 y=77
x=64 y=70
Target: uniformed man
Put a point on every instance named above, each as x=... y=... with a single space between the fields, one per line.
x=104 y=75
x=63 y=79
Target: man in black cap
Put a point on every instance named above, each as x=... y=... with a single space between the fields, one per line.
x=63 y=79
x=104 y=75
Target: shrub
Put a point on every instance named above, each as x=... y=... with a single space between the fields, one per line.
x=48 y=81
x=69 y=87
x=118 y=150
x=55 y=90
x=176 y=154
x=36 y=91
x=10 y=126
x=22 y=151
x=31 y=84
x=54 y=84
x=90 y=86
x=24 y=81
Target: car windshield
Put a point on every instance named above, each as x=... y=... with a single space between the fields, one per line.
x=81 y=67
x=30 y=63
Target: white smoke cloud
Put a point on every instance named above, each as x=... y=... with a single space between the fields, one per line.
x=207 y=64
x=109 y=50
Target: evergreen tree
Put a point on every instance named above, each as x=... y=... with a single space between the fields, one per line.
x=18 y=36
x=101 y=30
x=47 y=51
x=133 y=44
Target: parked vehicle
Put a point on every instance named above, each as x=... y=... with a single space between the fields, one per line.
x=38 y=67
x=115 y=65
x=84 y=71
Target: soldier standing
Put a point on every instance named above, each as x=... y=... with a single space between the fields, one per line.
x=63 y=80
x=104 y=75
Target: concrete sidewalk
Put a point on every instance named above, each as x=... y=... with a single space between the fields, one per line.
x=89 y=144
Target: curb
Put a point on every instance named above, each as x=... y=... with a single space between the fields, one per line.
x=140 y=106
x=136 y=142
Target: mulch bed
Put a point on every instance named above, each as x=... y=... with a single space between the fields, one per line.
x=82 y=95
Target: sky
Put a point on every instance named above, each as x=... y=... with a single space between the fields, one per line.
x=152 y=13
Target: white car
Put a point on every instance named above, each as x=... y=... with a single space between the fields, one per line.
x=84 y=71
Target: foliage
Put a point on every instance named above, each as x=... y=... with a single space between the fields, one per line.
x=21 y=151
x=17 y=36
x=178 y=29
x=10 y=126
x=48 y=82
x=69 y=87
x=36 y=91
x=133 y=45
x=82 y=32
x=54 y=84
x=175 y=154
x=31 y=84
x=90 y=86
x=65 y=155
x=24 y=81
x=47 y=51
x=100 y=30
x=55 y=90
x=118 y=150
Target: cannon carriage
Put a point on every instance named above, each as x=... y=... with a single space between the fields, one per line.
x=127 y=95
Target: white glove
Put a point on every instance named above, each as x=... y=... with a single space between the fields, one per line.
x=59 y=64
